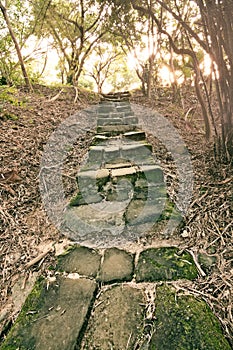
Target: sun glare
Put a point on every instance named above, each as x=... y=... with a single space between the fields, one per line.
x=166 y=75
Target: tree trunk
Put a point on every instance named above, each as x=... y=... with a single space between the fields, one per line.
x=20 y=57
x=174 y=83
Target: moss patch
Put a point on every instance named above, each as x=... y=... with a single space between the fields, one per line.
x=20 y=336
x=185 y=323
x=164 y=264
x=53 y=316
x=170 y=211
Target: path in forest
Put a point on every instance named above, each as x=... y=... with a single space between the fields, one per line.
x=105 y=297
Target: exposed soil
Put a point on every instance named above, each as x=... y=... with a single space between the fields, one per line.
x=27 y=120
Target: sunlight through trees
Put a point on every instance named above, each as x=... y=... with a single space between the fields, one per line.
x=148 y=43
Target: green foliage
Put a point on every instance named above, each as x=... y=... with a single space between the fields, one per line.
x=86 y=83
x=7 y=94
x=9 y=66
x=122 y=77
x=76 y=30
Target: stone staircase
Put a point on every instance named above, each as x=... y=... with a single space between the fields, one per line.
x=121 y=189
x=101 y=295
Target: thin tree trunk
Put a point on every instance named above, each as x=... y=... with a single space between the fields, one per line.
x=20 y=57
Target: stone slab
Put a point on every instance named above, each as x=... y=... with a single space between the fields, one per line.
x=129 y=113
x=103 y=115
x=87 y=180
x=109 y=121
x=124 y=108
x=153 y=173
x=123 y=172
x=95 y=223
x=106 y=103
x=106 y=108
x=135 y=135
x=120 y=194
x=53 y=315
x=81 y=260
x=117 y=115
x=95 y=154
x=102 y=174
x=117 y=266
x=99 y=139
x=91 y=178
x=164 y=264
x=130 y=120
x=150 y=192
x=111 y=152
x=184 y=323
x=118 y=165
x=122 y=103
x=140 y=211
x=116 y=129
x=136 y=152
x=86 y=197
x=117 y=320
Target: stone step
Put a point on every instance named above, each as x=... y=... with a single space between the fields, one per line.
x=115 y=265
x=152 y=173
x=123 y=172
x=92 y=178
x=109 y=121
x=106 y=108
x=111 y=152
x=53 y=315
x=100 y=139
x=95 y=154
x=123 y=108
x=71 y=311
x=135 y=136
x=184 y=322
x=122 y=103
x=116 y=130
x=117 y=319
x=118 y=165
x=116 y=119
x=140 y=211
x=165 y=264
x=130 y=120
x=136 y=152
x=117 y=114
x=118 y=265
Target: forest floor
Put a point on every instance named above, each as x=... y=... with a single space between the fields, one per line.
x=30 y=243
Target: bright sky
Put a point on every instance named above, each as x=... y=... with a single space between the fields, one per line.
x=42 y=48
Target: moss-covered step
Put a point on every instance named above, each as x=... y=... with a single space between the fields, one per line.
x=185 y=323
x=52 y=316
x=165 y=264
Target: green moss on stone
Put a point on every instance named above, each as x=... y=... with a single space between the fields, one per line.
x=77 y=200
x=170 y=212
x=19 y=337
x=164 y=264
x=185 y=323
